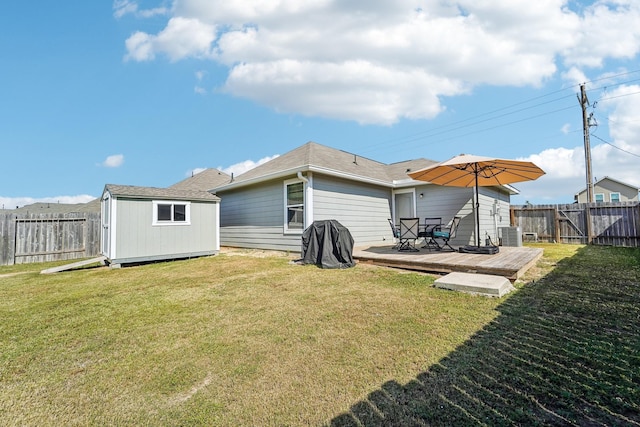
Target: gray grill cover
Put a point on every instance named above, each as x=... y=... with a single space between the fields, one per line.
x=327 y=244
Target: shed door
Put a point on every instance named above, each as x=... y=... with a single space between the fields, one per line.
x=106 y=216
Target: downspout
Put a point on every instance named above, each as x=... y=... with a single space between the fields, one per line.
x=308 y=197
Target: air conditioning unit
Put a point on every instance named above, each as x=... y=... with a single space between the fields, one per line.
x=510 y=236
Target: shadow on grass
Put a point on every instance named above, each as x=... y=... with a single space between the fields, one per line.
x=565 y=350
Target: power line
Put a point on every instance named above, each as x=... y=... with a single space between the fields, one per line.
x=614 y=146
x=492 y=115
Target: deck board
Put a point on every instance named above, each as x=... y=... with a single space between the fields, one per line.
x=510 y=262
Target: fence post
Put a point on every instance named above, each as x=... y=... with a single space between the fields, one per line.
x=587 y=217
x=556 y=225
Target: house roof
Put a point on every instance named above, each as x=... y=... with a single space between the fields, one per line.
x=57 y=208
x=314 y=157
x=608 y=178
x=203 y=181
x=132 y=191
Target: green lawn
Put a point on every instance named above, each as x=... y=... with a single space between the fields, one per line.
x=247 y=340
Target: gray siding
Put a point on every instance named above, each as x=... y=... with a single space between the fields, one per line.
x=254 y=218
x=606 y=187
x=363 y=209
x=447 y=202
x=494 y=213
x=137 y=238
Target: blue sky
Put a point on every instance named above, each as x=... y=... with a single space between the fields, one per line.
x=145 y=92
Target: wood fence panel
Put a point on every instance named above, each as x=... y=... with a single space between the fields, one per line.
x=613 y=224
x=51 y=237
x=7 y=238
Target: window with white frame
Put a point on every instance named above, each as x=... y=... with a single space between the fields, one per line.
x=294 y=206
x=614 y=197
x=599 y=197
x=167 y=212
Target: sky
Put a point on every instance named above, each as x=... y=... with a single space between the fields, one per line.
x=148 y=92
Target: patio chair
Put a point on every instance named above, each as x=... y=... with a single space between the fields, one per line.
x=409 y=228
x=396 y=233
x=430 y=224
x=446 y=233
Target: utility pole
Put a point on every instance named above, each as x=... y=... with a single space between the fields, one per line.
x=584 y=102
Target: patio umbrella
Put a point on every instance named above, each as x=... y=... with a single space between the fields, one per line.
x=468 y=170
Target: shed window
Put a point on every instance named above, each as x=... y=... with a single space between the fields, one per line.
x=294 y=206
x=165 y=212
x=599 y=197
x=615 y=197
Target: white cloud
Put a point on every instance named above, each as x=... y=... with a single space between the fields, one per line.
x=616 y=156
x=127 y=7
x=181 y=38
x=242 y=167
x=13 y=202
x=378 y=62
x=113 y=161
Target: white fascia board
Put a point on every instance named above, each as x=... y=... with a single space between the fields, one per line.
x=294 y=171
x=414 y=183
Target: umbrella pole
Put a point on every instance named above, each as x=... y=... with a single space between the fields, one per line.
x=477 y=211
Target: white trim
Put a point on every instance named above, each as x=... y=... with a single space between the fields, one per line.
x=619 y=196
x=414 y=206
x=156 y=222
x=217 y=228
x=285 y=212
x=113 y=227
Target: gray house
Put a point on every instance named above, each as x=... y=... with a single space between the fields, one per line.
x=608 y=189
x=141 y=224
x=269 y=206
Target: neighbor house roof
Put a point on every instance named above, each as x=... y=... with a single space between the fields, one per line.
x=132 y=191
x=314 y=157
x=608 y=178
x=57 y=208
x=203 y=181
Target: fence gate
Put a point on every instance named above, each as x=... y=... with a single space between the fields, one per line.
x=49 y=237
x=615 y=224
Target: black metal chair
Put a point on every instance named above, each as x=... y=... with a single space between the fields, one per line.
x=396 y=233
x=446 y=233
x=430 y=224
x=409 y=229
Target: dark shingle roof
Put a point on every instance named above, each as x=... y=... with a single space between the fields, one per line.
x=160 y=193
x=203 y=181
x=320 y=158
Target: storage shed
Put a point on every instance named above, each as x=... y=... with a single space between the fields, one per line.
x=142 y=224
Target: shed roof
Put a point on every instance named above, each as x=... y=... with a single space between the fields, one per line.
x=132 y=191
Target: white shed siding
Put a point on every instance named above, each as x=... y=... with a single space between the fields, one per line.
x=137 y=238
x=361 y=208
x=254 y=218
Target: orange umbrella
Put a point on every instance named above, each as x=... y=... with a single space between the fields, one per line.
x=467 y=170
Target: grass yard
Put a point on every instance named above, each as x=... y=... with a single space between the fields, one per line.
x=239 y=339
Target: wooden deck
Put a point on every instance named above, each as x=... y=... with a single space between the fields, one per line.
x=510 y=262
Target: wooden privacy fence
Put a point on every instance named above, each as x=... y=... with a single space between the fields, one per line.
x=48 y=237
x=612 y=224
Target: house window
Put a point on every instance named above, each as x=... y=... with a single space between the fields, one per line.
x=294 y=206
x=614 y=197
x=171 y=213
x=599 y=197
